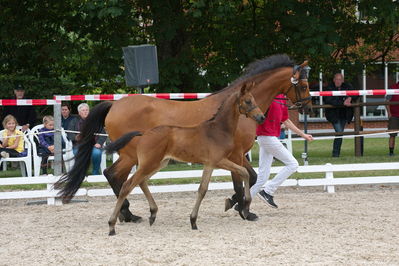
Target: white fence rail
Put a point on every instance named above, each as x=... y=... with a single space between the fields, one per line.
x=326 y=179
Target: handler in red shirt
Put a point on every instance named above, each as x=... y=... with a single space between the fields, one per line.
x=393 y=116
x=270 y=146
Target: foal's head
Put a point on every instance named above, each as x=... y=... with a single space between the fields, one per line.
x=247 y=105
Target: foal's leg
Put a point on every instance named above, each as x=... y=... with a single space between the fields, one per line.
x=242 y=172
x=203 y=188
x=127 y=187
x=146 y=169
x=116 y=175
x=148 y=195
x=151 y=201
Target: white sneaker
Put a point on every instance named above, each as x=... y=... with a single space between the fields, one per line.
x=4 y=154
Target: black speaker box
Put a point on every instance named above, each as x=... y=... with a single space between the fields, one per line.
x=141 y=65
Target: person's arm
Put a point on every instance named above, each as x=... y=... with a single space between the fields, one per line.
x=5 y=140
x=101 y=139
x=42 y=139
x=288 y=124
x=16 y=143
x=350 y=99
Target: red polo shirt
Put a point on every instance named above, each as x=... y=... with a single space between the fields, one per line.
x=277 y=114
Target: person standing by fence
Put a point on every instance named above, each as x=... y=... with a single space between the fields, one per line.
x=341 y=115
x=393 y=118
x=25 y=115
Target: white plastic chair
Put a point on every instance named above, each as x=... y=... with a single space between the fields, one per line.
x=24 y=162
x=67 y=152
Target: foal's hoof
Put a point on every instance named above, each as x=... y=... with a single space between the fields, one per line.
x=237 y=208
x=228 y=204
x=193 y=222
x=112 y=232
x=151 y=220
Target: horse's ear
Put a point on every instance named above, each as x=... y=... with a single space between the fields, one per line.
x=247 y=87
x=305 y=63
x=243 y=89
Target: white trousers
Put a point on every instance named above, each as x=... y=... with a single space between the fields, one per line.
x=270 y=147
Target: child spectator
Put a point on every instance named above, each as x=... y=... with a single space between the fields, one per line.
x=13 y=140
x=46 y=142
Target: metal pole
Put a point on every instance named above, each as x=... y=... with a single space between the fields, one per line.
x=57 y=145
x=357 y=128
x=364 y=88
x=321 y=89
x=305 y=129
x=386 y=76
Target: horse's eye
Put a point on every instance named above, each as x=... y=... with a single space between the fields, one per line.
x=248 y=101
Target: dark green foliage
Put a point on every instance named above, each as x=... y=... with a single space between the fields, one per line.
x=75 y=47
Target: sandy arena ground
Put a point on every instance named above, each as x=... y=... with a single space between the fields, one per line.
x=355 y=226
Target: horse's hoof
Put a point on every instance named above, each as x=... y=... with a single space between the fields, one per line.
x=244 y=213
x=237 y=208
x=131 y=218
x=151 y=220
x=252 y=217
x=228 y=204
x=112 y=232
x=135 y=219
x=194 y=227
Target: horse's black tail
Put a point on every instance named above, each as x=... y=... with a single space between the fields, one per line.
x=71 y=181
x=121 y=142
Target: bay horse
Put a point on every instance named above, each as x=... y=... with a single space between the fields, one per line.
x=209 y=143
x=273 y=75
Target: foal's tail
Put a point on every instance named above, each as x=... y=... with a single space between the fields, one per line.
x=121 y=142
x=71 y=181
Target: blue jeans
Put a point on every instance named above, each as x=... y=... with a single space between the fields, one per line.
x=95 y=159
x=339 y=127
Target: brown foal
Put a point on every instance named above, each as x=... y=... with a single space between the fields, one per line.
x=209 y=143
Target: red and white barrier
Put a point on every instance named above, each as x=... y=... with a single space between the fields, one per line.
x=27 y=102
x=180 y=96
x=114 y=97
x=354 y=93
x=174 y=96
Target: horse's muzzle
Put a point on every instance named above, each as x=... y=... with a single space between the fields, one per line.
x=260 y=119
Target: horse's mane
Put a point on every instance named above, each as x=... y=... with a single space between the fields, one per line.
x=218 y=110
x=260 y=66
x=234 y=94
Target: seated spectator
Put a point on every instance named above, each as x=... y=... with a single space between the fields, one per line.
x=46 y=142
x=67 y=117
x=25 y=115
x=13 y=140
x=75 y=125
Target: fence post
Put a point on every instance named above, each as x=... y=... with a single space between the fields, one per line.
x=57 y=152
x=330 y=176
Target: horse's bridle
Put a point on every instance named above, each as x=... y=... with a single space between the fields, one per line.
x=246 y=112
x=303 y=75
